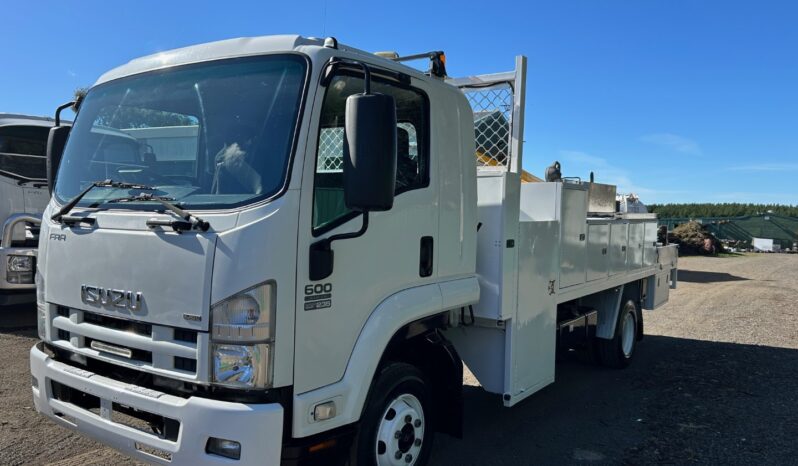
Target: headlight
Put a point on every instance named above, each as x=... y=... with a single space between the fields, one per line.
x=242 y=333
x=20 y=264
x=245 y=366
x=19 y=269
x=41 y=306
x=245 y=317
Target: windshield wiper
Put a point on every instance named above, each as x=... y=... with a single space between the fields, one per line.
x=96 y=184
x=189 y=221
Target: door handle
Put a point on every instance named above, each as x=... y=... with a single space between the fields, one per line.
x=425 y=256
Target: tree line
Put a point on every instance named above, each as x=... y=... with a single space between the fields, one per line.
x=732 y=209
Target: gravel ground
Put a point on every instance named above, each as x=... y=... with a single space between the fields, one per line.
x=714 y=382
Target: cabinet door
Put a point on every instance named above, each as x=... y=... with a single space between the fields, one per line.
x=619 y=241
x=574 y=237
x=635 y=250
x=598 y=242
x=650 y=244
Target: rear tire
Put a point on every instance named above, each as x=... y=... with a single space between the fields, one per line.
x=619 y=351
x=396 y=427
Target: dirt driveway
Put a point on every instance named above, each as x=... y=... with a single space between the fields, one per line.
x=714 y=382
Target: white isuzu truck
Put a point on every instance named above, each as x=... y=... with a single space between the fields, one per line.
x=281 y=250
x=23 y=197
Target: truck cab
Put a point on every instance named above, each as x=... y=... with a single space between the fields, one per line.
x=192 y=328
x=23 y=197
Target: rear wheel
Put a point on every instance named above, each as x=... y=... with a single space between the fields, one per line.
x=395 y=428
x=619 y=351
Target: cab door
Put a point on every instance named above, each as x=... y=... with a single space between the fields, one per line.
x=396 y=252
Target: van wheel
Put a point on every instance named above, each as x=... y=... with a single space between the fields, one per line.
x=619 y=351
x=396 y=425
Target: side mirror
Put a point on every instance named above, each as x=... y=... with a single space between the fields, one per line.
x=369 y=163
x=56 y=141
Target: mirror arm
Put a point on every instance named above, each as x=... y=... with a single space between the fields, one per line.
x=321 y=254
x=355 y=234
x=60 y=109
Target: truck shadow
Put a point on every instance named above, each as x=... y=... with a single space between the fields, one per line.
x=682 y=401
x=700 y=276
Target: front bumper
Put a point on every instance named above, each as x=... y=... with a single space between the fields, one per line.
x=5 y=285
x=257 y=427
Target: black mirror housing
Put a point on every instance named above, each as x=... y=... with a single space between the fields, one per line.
x=369 y=163
x=56 y=141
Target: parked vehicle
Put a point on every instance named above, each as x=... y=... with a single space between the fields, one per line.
x=298 y=276
x=23 y=196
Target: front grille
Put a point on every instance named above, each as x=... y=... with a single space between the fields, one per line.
x=182 y=334
x=135 y=354
x=139 y=328
x=163 y=350
x=185 y=364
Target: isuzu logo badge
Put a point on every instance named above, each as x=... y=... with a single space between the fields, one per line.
x=108 y=297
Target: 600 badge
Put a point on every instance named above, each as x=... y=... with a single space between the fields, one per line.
x=318 y=296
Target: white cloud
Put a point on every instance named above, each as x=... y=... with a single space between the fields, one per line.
x=766 y=167
x=72 y=73
x=673 y=141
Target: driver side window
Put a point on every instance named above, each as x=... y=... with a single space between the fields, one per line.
x=412 y=114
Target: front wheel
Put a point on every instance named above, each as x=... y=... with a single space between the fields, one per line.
x=396 y=425
x=618 y=351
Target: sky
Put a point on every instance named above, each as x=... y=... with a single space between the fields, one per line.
x=675 y=100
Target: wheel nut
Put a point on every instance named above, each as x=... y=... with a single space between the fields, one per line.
x=398 y=454
x=397 y=434
x=417 y=442
x=417 y=423
x=408 y=458
x=408 y=419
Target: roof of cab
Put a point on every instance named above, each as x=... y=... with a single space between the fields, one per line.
x=231 y=48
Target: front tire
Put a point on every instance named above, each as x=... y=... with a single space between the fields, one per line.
x=396 y=428
x=619 y=351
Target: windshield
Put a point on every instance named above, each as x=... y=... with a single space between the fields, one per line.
x=210 y=136
x=22 y=151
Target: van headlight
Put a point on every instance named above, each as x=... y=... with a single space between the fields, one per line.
x=242 y=335
x=19 y=269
